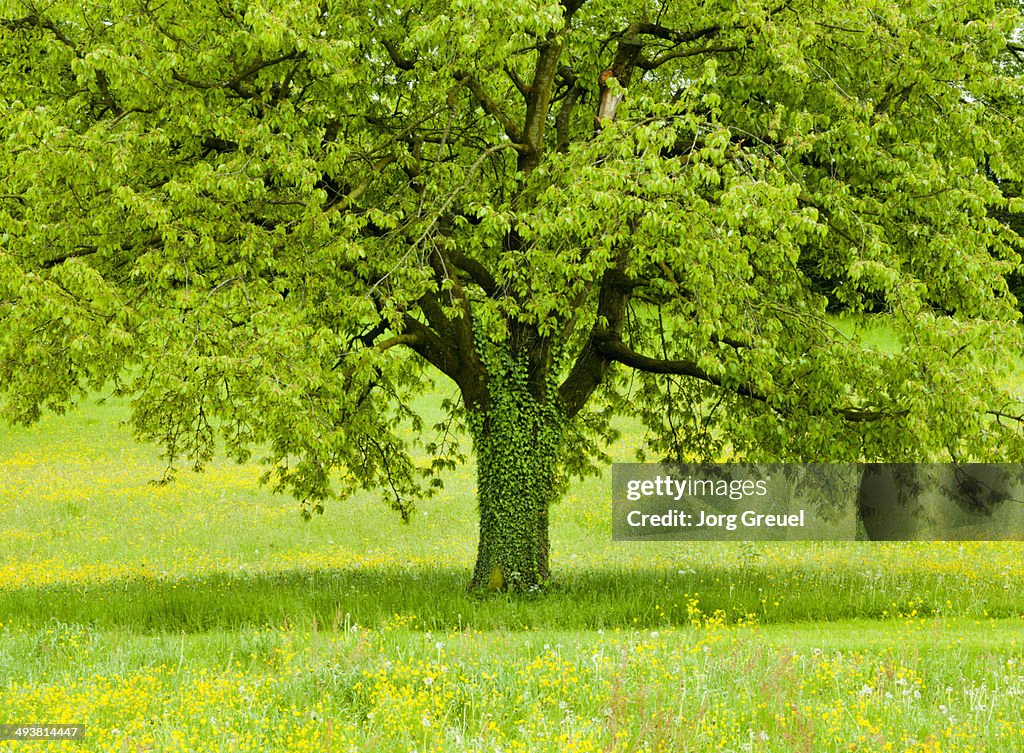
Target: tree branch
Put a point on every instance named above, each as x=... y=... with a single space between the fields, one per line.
x=348 y=200
x=615 y=350
x=42 y=23
x=564 y=117
x=591 y=364
x=235 y=84
x=491 y=108
x=432 y=347
x=521 y=85
x=862 y=415
x=648 y=64
x=102 y=83
x=539 y=99
x=410 y=338
x=458 y=331
x=476 y=271
x=671 y=35
x=403 y=63
x=892 y=94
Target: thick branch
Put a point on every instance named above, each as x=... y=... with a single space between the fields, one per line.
x=615 y=350
x=538 y=100
x=591 y=364
x=649 y=64
x=102 y=82
x=999 y=415
x=491 y=108
x=571 y=6
x=78 y=252
x=84 y=250
x=626 y=55
x=458 y=332
x=671 y=35
x=260 y=64
x=411 y=339
x=476 y=271
x=564 y=116
x=432 y=347
x=43 y=23
x=405 y=64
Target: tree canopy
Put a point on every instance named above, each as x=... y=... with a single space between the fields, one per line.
x=273 y=223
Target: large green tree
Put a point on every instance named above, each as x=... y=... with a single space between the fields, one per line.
x=273 y=223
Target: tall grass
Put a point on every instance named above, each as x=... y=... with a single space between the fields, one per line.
x=207 y=615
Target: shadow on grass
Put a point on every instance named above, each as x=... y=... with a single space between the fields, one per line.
x=437 y=599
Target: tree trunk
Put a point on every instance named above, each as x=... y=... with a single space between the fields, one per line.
x=516 y=444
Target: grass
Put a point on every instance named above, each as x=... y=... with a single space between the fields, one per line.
x=208 y=616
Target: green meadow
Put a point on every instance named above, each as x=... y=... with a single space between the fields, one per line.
x=207 y=615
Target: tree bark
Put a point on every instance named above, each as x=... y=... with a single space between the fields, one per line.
x=517 y=445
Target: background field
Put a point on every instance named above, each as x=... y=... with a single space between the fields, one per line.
x=206 y=615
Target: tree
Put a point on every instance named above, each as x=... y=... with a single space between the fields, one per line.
x=273 y=224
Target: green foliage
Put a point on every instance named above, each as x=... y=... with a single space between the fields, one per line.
x=272 y=225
